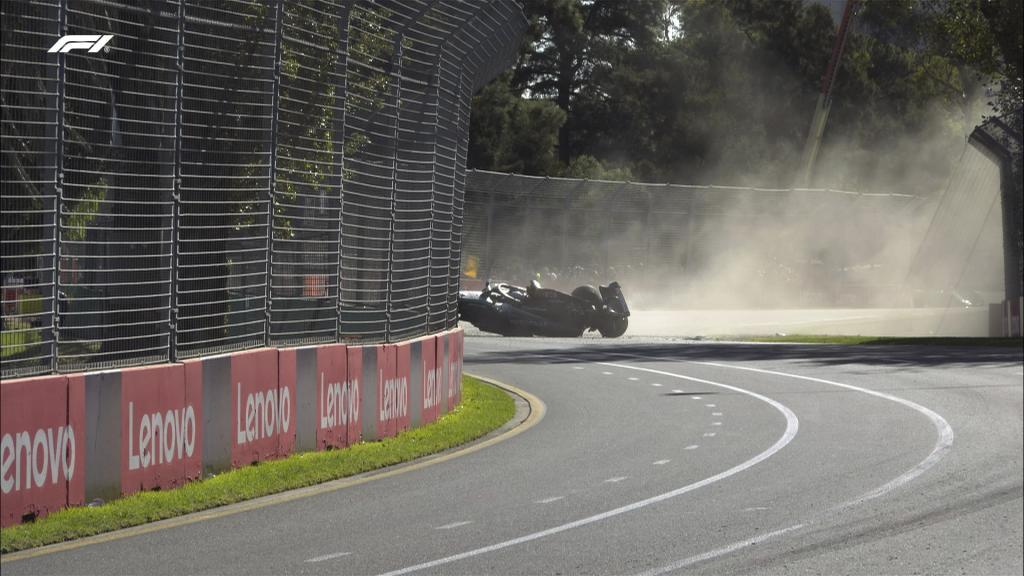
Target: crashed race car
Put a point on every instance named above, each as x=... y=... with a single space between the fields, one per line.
x=535 y=311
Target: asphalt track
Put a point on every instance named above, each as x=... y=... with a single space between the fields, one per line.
x=657 y=456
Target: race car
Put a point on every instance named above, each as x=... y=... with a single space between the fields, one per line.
x=536 y=311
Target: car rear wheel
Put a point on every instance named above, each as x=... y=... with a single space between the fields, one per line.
x=588 y=294
x=613 y=327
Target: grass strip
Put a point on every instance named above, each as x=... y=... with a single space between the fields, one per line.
x=880 y=340
x=484 y=408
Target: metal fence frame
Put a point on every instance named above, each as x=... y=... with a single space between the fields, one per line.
x=235 y=175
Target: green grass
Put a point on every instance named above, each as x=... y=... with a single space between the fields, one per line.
x=484 y=408
x=873 y=340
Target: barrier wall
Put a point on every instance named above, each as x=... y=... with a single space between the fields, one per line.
x=70 y=439
x=41 y=446
x=1005 y=318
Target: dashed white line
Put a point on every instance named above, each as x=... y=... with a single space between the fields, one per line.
x=606 y=373
x=691 y=447
x=710 y=434
x=615 y=480
x=710 y=405
x=660 y=462
x=550 y=500
x=696 y=397
x=453 y=525
x=716 y=423
x=942 y=446
x=577 y=367
x=633 y=378
x=328 y=557
x=655 y=384
x=716 y=413
x=677 y=391
x=792 y=425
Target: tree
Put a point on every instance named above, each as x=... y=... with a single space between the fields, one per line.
x=511 y=134
x=723 y=91
x=573 y=45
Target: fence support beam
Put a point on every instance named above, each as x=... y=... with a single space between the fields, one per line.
x=58 y=197
x=338 y=133
x=172 y=320
x=272 y=180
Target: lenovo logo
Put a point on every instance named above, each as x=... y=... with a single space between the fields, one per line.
x=92 y=42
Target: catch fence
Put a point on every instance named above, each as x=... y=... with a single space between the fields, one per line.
x=667 y=240
x=230 y=175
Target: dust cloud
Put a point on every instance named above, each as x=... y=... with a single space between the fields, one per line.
x=831 y=262
x=920 y=256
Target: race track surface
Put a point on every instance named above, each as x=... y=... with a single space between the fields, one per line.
x=656 y=456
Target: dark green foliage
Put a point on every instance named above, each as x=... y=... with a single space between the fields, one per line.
x=723 y=91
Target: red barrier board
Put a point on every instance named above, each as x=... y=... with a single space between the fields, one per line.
x=159 y=428
x=431 y=380
x=355 y=375
x=403 y=376
x=338 y=401
x=392 y=396
x=40 y=454
x=263 y=413
x=454 y=369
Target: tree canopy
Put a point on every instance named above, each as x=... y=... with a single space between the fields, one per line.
x=723 y=91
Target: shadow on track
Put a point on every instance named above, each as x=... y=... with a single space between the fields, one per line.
x=574 y=351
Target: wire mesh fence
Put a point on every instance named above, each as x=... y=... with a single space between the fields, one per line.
x=229 y=175
x=670 y=241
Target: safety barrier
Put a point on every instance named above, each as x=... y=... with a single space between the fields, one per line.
x=234 y=175
x=71 y=439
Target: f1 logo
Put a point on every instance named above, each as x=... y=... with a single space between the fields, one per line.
x=94 y=42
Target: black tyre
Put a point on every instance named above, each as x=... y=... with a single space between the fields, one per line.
x=588 y=294
x=613 y=327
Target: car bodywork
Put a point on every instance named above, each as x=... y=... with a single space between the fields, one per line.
x=536 y=311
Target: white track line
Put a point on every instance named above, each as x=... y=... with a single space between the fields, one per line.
x=453 y=525
x=942 y=446
x=328 y=557
x=792 y=425
x=942 y=428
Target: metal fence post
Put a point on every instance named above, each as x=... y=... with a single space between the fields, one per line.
x=272 y=180
x=436 y=79
x=58 y=196
x=396 y=75
x=172 y=324
x=338 y=128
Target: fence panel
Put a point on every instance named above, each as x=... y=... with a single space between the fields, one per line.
x=308 y=177
x=31 y=94
x=209 y=177
x=117 y=193
x=228 y=96
x=663 y=241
